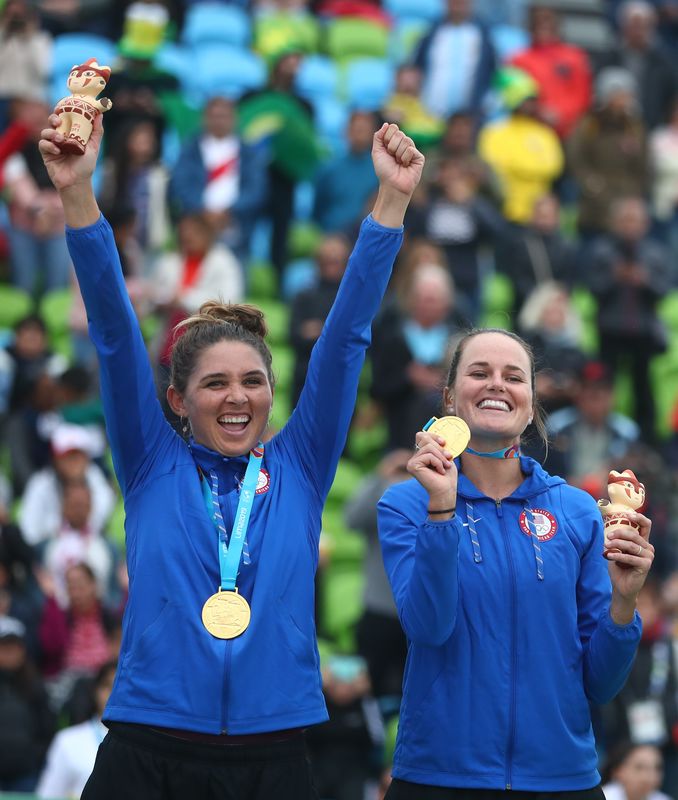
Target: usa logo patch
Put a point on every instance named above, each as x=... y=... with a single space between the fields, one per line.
x=545 y=524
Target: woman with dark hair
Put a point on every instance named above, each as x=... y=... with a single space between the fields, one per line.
x=219 y=669
x=514 y=623
x=634 y=772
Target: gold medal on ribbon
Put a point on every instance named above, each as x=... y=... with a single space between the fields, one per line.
x=453 y=430
x=226 y=614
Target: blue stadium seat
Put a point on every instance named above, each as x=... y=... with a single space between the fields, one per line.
x=208 y=23
x=429 y=10
x=369 y=82
x=317 y=77
x=508 y=40
x=223 y=70
x=404 y=38
x=174 y=59
x=75 y=48
x=331 y=119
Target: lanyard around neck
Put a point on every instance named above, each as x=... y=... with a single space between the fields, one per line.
x=230 y=551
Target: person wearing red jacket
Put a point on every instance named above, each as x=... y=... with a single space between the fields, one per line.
x=561 y=70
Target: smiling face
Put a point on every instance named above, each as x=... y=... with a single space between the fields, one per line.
x=228 y=398
x=492 y=390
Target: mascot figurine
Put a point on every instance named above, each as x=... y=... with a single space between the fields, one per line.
x=78 y=111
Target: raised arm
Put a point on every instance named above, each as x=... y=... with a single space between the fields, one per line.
x=318 y=427
x=134 y=420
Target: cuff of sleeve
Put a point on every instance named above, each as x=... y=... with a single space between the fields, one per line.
x=88 y=228
x=370 y=221
x=631 y=630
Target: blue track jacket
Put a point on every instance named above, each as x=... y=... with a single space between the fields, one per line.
x=506 y=609
x=172 y=672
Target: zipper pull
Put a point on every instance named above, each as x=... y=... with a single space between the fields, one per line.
x=500 y=510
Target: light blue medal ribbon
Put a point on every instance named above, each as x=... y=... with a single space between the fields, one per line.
x=506 y=452
x=230 y=552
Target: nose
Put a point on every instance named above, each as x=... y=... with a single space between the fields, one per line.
x=236 y=395
x=495 y=382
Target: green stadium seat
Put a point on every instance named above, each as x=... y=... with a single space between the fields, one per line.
x=262 y=282
x=351 y=37
x=497 y=302
x=277 y=316
x=15 y=303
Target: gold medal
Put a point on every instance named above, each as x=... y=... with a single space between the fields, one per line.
x=454 y=431
x=226 y=614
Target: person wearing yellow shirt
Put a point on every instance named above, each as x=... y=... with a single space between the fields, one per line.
x=523 y=151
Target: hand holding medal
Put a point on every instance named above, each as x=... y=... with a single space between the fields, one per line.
x=432 y=464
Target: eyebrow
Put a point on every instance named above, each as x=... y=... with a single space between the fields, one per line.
x=487 y=364
x=249 y=373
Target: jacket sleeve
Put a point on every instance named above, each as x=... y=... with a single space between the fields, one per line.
x=135 y=423
x=317 y=429
x=421 y=562
x=609 y=649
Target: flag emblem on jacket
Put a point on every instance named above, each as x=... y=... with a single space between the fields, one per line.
x=263 y=482
x=545 y=524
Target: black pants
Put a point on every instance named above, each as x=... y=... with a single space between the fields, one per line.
x=404 y=790
x=136 y=763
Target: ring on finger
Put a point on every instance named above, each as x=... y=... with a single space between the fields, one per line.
x=640 y=549
x=417 y=447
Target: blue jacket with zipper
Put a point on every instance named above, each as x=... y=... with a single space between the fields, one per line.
x=172 y=672
x=506 y=610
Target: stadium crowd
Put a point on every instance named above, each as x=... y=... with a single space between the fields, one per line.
x=236 y=164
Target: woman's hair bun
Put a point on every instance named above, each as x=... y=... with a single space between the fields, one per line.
x=243 y=315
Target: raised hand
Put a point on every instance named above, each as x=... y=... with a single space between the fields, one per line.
x=630 y=557
x=397 y=162
x=67 y=171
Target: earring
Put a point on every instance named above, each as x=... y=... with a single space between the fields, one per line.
x=185 y=428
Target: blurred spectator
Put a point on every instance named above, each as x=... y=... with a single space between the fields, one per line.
x=201 y=269
x=639 y=52
x=19 y=597
x=634 y=772
x=380 y=638
x=76 y=543
x=457 y=219
x=538 y=253
x=71 y=755
x=311 y=306
x=457 y=60
x=407 y=110
x=38 y=255
x=410 y=341
x=524 y=152
x=342 y=749
x=628 y=273
x=293 y=147
x=608 y=151
x=589 y=438
x=219 y=174
x=26 y=723
x=141 y=91
x=664 y=167
x=41 y=512
x=550 y=325
x=27 y=369
x=561 y=70
x=134 y=177
x=73 y=640
x=645 y=712
x=25 y=55
x=345 y=184
x=92 y=16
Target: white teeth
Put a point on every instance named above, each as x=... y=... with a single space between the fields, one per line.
x=500 y=405
x=234 y=420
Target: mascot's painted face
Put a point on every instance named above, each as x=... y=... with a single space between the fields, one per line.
x=88 y=78
x=625 y=489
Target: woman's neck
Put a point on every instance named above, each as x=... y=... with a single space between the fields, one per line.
x=494 y=477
